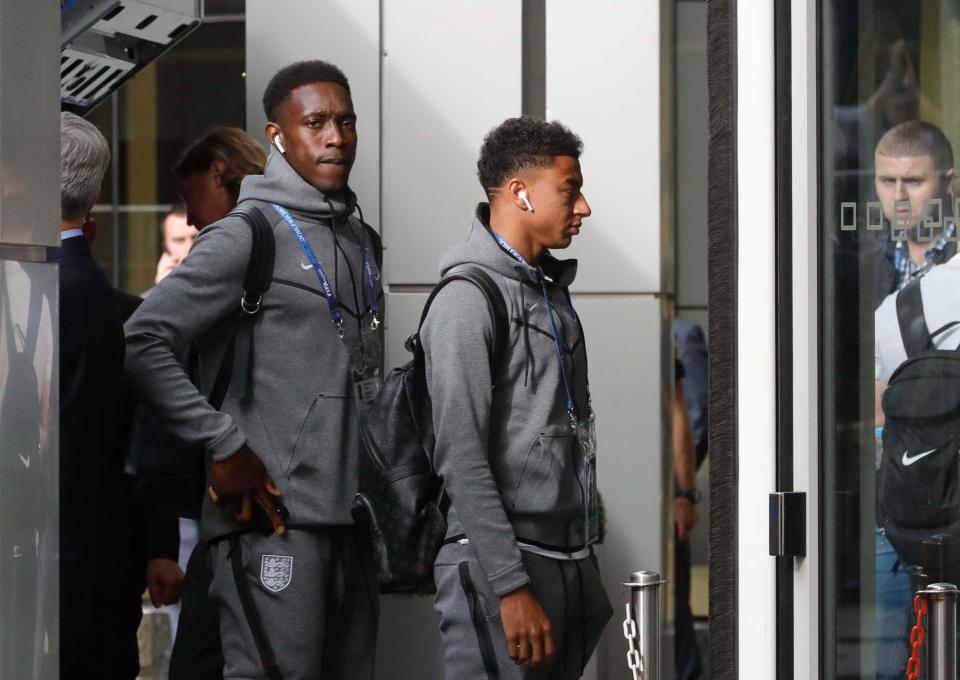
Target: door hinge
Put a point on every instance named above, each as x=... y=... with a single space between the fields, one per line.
x=788 y=524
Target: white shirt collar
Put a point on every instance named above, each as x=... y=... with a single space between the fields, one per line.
x=70 y=233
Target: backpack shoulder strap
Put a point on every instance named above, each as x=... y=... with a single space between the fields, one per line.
x=913 y=323
x=256 y=282
x=260 y=266
x=495 y=304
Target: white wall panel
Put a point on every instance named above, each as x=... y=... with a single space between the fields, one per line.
x=343 y=32
x=756 y=338
x=30 y=123
x=451 y=72
x=603 y=81
x=623 y=342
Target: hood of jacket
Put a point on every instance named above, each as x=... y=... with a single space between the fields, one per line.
x=283 y=185
x=481 y=248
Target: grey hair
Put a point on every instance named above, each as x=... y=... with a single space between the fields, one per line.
x=84 y=158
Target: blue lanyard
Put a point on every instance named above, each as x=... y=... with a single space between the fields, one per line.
x=510 y=250
x=373 y=306
x=332 y=302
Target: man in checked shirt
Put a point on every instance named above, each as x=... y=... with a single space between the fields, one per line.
x=913 y=177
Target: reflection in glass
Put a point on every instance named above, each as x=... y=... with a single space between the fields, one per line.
x=890 y=120
x=29 y=517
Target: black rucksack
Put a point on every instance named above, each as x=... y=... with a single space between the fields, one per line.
x=918 y=488
x=401 y=507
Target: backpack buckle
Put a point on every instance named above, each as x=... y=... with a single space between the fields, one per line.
x=250 y=307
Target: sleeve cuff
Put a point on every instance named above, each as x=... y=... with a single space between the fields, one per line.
x=227 y=445
x=510 y=579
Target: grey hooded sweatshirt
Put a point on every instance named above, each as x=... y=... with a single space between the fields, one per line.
x=505 y=448
x=300 y=417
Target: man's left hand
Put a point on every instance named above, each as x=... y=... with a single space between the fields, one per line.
x=164 y=581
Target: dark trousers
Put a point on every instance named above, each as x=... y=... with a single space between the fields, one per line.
x=685 y=649
x=196 y=651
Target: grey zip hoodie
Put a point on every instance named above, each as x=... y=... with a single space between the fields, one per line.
x=300 y=417
x=505 y=448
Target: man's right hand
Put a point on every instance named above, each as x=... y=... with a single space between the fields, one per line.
x=526 y=627
x=240 y=481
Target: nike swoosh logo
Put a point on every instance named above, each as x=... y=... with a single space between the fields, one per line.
x=24 y=459
x=304 y=265
x=910 y=460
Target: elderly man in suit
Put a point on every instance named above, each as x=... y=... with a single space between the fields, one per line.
x=93 y=526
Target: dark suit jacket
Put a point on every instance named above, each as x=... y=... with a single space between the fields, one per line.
x=91 y=363
x=132 y=535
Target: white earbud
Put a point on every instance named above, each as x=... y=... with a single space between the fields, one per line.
x=279 y=144
x=526 y=201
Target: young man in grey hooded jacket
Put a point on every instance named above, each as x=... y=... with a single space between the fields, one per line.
x=294 y=439
x=518 y=589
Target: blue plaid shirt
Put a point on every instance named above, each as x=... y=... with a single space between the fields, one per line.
x=907 y=269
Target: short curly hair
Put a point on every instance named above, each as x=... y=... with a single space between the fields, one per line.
x=520 y=143
x=292 y=76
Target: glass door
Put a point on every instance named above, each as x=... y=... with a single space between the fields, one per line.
x=889 y=422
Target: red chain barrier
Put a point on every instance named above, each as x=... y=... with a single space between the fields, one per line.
x=916 y=638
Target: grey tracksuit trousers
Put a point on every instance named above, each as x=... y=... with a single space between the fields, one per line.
x=316 y=597
x=570 y=592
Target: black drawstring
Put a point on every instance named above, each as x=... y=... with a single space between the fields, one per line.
x=526 y=330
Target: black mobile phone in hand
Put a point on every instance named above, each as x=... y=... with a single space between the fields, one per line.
x=261 y=521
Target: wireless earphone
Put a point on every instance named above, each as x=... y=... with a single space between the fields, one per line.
x=526 y=201
x=279 y=144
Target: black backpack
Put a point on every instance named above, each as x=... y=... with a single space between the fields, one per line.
x=169 y=473
x=400 y=508
x=918 y=488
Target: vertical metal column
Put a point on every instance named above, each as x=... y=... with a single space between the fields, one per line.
x=943 y=631
x=642 y=625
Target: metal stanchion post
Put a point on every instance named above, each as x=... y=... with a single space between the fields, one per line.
x=943 y=631
x=642 y=625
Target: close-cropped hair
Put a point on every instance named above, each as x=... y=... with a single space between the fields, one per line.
x=241 y=154
x=521 y=143
x=84 y=158
x=295 y=75
x=917 y=138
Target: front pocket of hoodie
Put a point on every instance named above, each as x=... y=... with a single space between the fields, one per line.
x=547 y=483
x=322 y=430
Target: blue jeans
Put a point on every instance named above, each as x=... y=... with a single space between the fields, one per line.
x=894 y=605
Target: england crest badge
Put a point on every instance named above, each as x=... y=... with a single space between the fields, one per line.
x=276 y=572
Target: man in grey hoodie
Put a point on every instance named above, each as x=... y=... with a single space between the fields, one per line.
x=518 y=589
x=294 y=437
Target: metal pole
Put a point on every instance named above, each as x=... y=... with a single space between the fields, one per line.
x=642 y=625
x=943 y=631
